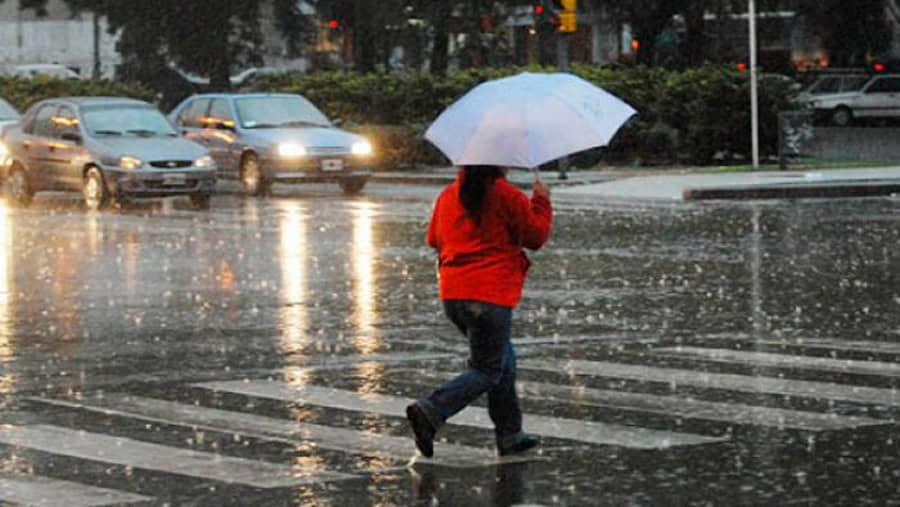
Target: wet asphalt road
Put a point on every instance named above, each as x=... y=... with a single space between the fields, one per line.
x=256 y=354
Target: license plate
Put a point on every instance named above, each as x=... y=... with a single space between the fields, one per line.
x=173 y=179
x=332 y=164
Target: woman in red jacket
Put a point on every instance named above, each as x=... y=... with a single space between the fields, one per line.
x=479 y=226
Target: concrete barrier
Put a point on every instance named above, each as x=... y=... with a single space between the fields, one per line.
x=853 y=144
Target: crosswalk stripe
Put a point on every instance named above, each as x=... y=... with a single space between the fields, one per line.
x=675 y=406
x=867 y=346
x=40 y=491
x=569 y=429
x=784 y=360
x=137 y=454
x=741 y=383
x=282 y=430
x=698 y=409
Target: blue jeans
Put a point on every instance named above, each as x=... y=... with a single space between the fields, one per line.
x=491 y=368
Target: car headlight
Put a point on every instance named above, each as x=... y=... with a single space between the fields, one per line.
x=205 y=161
x=361 y=148
x=3 y=151
x=128 y=162
x=291 y=150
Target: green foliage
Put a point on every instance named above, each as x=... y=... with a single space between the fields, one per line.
x=22 y=93
x=697 y=115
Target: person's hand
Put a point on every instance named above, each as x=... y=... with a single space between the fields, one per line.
x=541 y=189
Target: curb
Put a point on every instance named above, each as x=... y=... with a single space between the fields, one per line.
x=841 y=189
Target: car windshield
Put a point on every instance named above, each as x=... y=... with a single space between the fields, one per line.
x=7 y=112
x=837 y=84
x=126 y=120
x=274 y=112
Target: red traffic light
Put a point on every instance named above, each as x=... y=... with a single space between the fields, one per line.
x=742 y=66
x=333 y=23
x=879 y=67
x=538 y=9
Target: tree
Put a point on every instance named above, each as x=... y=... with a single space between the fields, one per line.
x=851 y=31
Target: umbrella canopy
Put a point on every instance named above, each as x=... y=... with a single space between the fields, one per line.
x=527 y=120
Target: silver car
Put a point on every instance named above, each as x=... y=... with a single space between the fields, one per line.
x=262 y=139
x=108 y=148
x=8 y=115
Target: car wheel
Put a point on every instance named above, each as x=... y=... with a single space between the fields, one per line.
x=252 y=178
x=353 y=186
x=200 y=201
x=18 y=187
x=841 y=117
x=96 y=195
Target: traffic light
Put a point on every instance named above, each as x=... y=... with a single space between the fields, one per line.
x=567 y=18
x=543 y=13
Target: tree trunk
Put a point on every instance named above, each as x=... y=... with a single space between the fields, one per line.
x=440 y=50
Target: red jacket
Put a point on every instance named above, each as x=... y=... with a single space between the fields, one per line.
x=486 y=262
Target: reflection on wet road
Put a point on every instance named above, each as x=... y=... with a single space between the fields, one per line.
x=261 y=353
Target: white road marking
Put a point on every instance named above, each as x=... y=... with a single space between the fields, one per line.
x=741 y=383
x=555 y=427
x=137 y=454
x=40 y=491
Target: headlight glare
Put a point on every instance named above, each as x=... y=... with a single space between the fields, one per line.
x=205 y=161
x=291 y=150
x=361 y=148
x=129 y=162
x=3 y=151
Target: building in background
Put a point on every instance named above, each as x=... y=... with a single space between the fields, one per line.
x=79 y=41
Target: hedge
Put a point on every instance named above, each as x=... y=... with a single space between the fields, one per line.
x=698 y=115
x=22 y=92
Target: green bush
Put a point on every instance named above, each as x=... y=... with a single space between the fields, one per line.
x=22 y=93
x=697 y=115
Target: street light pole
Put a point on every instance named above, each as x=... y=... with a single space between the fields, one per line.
x=754 y=92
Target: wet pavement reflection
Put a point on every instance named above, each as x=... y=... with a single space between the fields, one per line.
x=257 y=354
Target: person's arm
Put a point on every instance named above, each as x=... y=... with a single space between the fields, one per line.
x=532 y=218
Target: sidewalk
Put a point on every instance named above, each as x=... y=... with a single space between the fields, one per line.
x=669 y=186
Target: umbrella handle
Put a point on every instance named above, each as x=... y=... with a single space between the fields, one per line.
x=537 y=173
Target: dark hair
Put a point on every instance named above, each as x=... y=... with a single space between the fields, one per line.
x=475 y=183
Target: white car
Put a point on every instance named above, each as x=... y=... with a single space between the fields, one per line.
x=45 y=69
x=8 y=115
x=879 y=97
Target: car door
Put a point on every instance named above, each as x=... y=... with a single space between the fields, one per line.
x=35 y=146
x=880 y=98
x=64 y=149
x=220 y=135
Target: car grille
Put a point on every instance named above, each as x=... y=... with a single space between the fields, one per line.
x=171 y=164
x=159 y=185
x=328 y=150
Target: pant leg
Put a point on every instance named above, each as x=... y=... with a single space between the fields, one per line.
x=503 y=403
x=487 y=328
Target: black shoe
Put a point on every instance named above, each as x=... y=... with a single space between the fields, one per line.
x=515 y=444
x=422 y=429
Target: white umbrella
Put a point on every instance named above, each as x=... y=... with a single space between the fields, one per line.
x=527 y=120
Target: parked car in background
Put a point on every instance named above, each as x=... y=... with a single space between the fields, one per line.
x=8 y=115
x=262 y=139
x=108 y=149
x=877 y=97
x=832 y=83
x=45 y=69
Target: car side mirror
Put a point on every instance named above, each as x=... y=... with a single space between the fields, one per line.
x=71 y=137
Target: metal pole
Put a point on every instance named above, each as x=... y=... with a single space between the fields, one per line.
x=562 y=62
x=754 y=97
x=96 y=72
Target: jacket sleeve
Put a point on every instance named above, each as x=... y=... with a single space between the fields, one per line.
x=531 y=219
